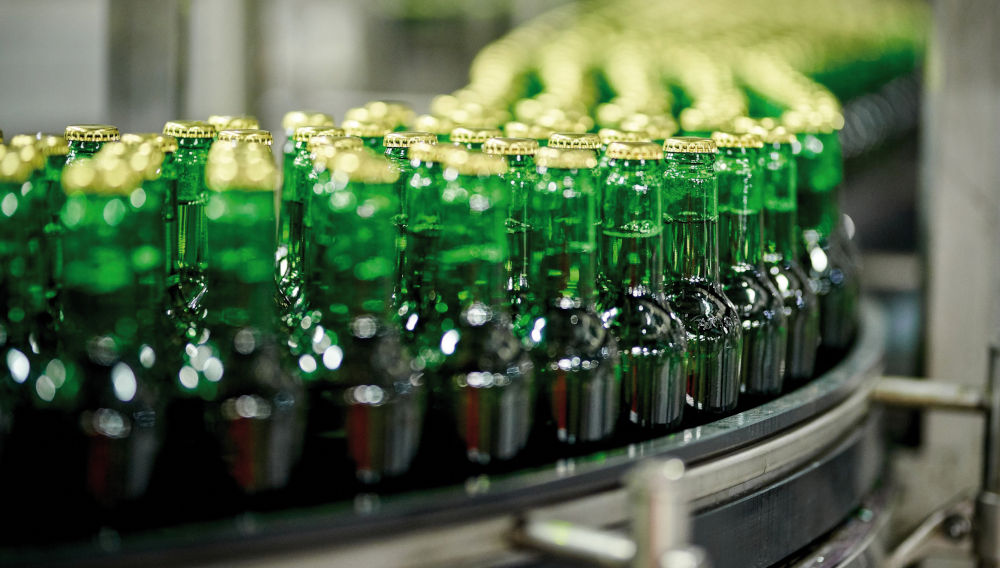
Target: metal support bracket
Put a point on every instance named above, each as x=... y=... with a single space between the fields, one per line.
x=659 y=526
x=970 y=525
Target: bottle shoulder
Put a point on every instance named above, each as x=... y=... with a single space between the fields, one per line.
x=703 y=306
x=572 y=332
x=751 y=290
x=643 y=321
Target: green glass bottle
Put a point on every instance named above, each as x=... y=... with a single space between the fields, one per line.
x=86 y=139
x=367 y=400
x=186 y=246
x=744 y=278
x=827 y=254
x=690 y=218
x=414 y=301
x=55 y=148
x=521 y=178
x=162 y=182
x=237 y=410
x=473 y=138
x=650 y=336
x=371 y=132
x=295 y=189
x=609 y=135
x=87 y=433
x=480 y=375
x=291 y=121
x=397 y=149
x=781 y=254
x=577 y=363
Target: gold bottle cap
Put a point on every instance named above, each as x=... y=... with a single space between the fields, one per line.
x=20 y=140
x=248 y=135
x=365 y=129
x=501 y=146
x=575 y=140
x=360 y=166
x=307 y=133
x=394 y=112
x=91 y=133
x=336 y=142
x=296 y=118
x=815 y=122
x=161 y=142
x=634 y=151
x=657 y=127
x=467 y=135
x=609 y=135
x=240 y=166
x=689 y=145
x=524 y=130
x=53 y=144
x=565 y=159
x=778 y=135
x=729 y=140
x=229 y=122
x=18 y=162
x=189 y=129
x=407 y=139
x=435 y=124
x=475 y=163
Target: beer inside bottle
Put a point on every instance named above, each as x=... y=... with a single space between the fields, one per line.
x=576 y=358
x=781 y=254
x=744 y=280
x=366 y=399
x=711 y=322
x=650 y=336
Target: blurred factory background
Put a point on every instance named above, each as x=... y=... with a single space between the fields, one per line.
x=136 y=63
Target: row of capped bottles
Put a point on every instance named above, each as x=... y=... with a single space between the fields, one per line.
x=467 y=303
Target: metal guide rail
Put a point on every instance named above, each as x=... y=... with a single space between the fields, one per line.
x=761 y=484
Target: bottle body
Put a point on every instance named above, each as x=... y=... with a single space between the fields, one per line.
x=367 y=401
x=575 y=357
x=651 y=339
x=744 y=279
x=781 y=259
x=711 y=321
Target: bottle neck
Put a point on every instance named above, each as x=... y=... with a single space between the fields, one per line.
x=820 y=171
x=296 y=167
x=188 y=196
x=350 y=254
x=79 y=149
x=113 y=264
x=562 y=237
x=240 y=273
x=740 y=204
x=690 y=214
x=631 y=229
x=779 y=180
